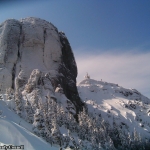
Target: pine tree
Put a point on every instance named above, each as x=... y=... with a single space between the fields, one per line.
x=10 y=97
x=55 y=132
x=35 y=98
x=116 y=135
x=29 y=112
x=19 y=103
x=38 y=124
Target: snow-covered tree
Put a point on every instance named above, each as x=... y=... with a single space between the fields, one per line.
x=39 y=124
x=57 y=137
x=19 y=103
x=10 y=98
x=29 y=112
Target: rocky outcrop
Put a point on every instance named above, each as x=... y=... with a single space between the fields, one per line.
x=33 y=43
x=69 y=70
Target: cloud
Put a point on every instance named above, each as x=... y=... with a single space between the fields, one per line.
x=130 y=70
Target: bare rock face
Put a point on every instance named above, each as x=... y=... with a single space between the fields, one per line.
x=33 y=48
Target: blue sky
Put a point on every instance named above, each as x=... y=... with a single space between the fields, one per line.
x=101 y=30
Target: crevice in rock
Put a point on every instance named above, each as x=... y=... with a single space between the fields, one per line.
x=18 y=58
x=44 y=35
x=19 y=43
x=13 y=76
x=44 y=38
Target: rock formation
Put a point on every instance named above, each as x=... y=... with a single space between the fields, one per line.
x=33 y=43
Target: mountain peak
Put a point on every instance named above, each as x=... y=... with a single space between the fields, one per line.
x=33 y=43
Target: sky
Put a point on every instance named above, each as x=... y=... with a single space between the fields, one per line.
x=110 y=38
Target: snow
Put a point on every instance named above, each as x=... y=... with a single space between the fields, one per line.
x=126 y=106
x=15 y=131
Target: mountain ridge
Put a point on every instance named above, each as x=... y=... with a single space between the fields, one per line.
x=114 y=101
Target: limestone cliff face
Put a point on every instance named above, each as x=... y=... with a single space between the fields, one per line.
x=33 y=43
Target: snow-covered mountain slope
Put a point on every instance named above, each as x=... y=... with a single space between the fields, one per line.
x=15 y=131
x=127 y=107
x=106 y=102
x=54 y=122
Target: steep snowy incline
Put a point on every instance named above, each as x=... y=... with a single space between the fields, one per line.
x=15 y=131
x=129 y=108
